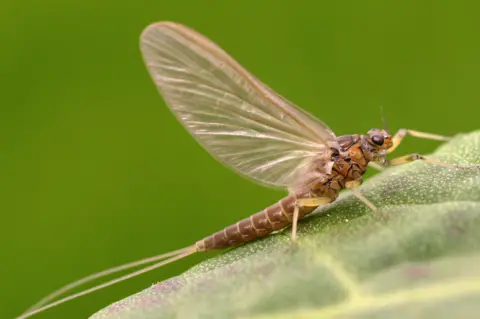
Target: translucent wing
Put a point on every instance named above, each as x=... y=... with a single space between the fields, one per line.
x=239 y=120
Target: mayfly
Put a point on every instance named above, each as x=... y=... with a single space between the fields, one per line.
x=259 y=134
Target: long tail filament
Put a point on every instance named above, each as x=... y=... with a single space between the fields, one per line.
x=42 y=304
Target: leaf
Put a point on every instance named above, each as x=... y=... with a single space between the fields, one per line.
x=419 y=256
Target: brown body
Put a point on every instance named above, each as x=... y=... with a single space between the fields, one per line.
x=349 y=164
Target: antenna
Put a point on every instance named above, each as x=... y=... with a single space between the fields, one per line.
x=384 y=120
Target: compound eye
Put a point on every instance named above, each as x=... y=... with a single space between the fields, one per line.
x=378 y=139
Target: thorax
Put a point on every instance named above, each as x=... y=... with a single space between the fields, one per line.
x=350 y=163
x=351 y=155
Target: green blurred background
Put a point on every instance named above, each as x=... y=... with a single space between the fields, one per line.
x=95 y=171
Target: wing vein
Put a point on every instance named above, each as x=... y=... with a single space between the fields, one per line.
x=236 y=118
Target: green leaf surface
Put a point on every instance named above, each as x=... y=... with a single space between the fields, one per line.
x=418 y=257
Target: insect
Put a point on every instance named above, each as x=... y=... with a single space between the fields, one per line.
x=257 y=133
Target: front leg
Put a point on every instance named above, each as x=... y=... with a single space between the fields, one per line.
x=398 y=137
x=417 y=157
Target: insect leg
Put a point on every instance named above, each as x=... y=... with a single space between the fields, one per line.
x=377 y=166
x=294 y=223
x=398 y=137
x=352 y=185
x=305 y=202
x=416 y=157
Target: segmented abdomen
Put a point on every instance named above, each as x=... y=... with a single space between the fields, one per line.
x=274 y=217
